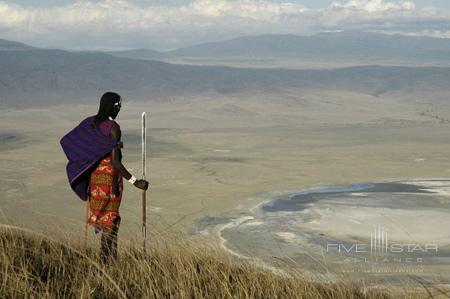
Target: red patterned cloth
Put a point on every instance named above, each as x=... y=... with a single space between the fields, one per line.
x=105 y=190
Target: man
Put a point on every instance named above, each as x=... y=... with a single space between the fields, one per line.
x=95 y=169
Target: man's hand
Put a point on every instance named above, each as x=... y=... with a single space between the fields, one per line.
x=142 y=184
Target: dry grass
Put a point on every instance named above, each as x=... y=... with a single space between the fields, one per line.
x=35 y=266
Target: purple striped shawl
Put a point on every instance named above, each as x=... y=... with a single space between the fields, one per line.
x=84 y=146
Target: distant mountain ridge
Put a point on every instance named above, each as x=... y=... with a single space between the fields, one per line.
x=342 y=45
x=336 y=48
x=148 y=54
x=29 y=74
x=350 y=46
x=11 y=45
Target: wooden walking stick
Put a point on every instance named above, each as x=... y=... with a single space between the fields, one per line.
x=144 y=200
x=86 y=227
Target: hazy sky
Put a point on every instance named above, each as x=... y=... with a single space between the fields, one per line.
x=308 y=3
x=123 y=24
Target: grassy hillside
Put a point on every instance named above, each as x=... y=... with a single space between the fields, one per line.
x=34 y=266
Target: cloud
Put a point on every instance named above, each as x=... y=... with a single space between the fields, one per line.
x=254 y=10
x=117 y=21
x=121 y=24
x=400 y=17
x=373 y=6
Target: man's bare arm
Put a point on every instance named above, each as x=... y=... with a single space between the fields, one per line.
x=116 y=155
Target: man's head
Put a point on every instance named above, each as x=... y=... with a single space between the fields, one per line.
x=110 y=104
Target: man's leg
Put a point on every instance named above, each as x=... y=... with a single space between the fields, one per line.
x=114 y=233
x=109 y=243
x=104 y=244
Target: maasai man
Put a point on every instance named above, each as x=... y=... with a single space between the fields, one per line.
x=95 y=169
